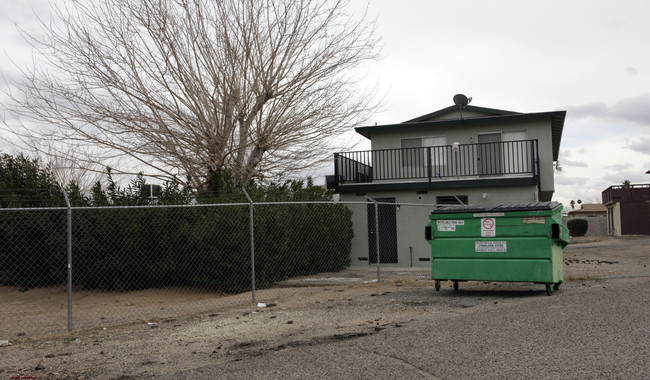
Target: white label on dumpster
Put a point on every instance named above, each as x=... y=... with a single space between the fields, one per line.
x=449 y=225
x=484 y=214
x=533 y=220
x=490 y=246
x=488 y=227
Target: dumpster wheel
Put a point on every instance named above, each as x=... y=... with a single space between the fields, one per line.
x=455 y=285
x=549 y=289
x=437 y=285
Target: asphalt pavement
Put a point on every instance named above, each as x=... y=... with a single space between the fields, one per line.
x=592 y=330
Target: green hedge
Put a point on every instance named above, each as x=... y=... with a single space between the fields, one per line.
x=32 y=248
x=117 y=248
x=207 y=247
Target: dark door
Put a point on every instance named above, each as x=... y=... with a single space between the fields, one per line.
x=489 y=154
x=387 y=232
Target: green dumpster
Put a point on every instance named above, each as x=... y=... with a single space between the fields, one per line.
x=514 y=242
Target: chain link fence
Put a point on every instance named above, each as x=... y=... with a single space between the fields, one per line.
x=64 y=268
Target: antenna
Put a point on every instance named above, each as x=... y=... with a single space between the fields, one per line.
x=461 y=101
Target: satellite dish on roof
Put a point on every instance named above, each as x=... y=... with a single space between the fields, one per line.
x=461 y=100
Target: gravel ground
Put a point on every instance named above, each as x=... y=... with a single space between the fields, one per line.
x=596 y=326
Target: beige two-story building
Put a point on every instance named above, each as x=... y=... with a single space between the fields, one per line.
x=457 y=155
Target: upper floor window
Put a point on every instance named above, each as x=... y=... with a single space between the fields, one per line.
x=414 y=156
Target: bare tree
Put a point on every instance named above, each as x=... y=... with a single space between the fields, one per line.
x=67 y=170
x=254 y=87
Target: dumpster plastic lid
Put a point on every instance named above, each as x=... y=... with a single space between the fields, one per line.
x=535 y=206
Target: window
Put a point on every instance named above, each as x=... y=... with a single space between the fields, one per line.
x=439 y=151
x=452 y=200
x=414 y=156
x=504 y=153
x=517 y=153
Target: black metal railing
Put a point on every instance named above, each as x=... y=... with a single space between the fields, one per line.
x=438 y=163
x=626 y=193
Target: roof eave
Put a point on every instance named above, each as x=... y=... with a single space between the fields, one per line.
x=494 y=111
x=556 y=117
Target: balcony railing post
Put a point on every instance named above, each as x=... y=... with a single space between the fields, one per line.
x=429 y=166
x=336 y=170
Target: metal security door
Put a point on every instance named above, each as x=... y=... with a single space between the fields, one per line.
x=387 y=232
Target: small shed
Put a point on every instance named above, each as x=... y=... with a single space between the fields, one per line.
x=628 y=209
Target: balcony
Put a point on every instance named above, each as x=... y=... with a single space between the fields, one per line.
x=514 y=162
x=626 y=193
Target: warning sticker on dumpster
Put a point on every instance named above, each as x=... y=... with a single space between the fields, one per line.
x=449 y=225
x=488 y=227
x=490 y=246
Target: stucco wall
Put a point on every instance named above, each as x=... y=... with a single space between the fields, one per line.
x=413 y=215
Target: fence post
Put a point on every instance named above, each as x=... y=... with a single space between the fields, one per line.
x=69 y=223
x=377 y=238
x=252 y=232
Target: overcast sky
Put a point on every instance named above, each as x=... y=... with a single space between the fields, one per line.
x=590 y=58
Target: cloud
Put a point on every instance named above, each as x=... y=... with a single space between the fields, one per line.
x=618 y=167
x=578 y=164
x=570 y=181
x=635 y=175
x=6 y=78
x=631 y=70
x=593 y=110
x=642 y=145
x=25 y=12
x=635 y=109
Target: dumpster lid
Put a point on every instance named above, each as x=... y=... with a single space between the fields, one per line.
x=535 y=206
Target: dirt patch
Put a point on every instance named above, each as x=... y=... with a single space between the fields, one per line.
x=44 y=311
x=606 y=256
x=225 y=329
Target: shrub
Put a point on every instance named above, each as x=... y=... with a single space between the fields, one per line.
x=23 y=183
x=578 y=227
x=206 y=246
x=32 y=243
